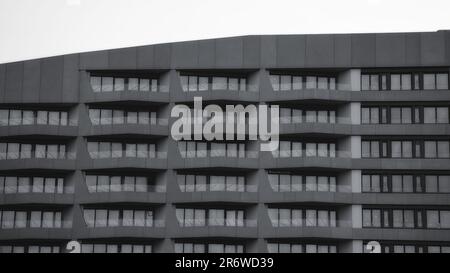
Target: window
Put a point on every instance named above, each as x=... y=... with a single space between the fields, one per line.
x=442 y=81
x=105 y=183
x=371 y=218
x=292 y=116
x=191 y=183
x=404 y=81
x=193 y=149
x=370 y=115
x=190 y=83
x=114 y=218
x=188 y=217
x=437 y=81
x=436 y=115
x=38 y=219
x=429 y=82
x=283 y=217
x=370 y=149
x=23 y=151
x=300 y=248
x=286 y=82
x=118 y=84
x=395 y=82
x=115 y=150
x=406 y=218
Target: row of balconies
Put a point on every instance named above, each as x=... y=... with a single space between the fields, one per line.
x=290 y=245
x=256 y=228
x=239 y=81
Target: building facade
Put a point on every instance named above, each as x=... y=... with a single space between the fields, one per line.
x=86 y=152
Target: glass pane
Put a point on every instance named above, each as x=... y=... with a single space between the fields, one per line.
x=96 y=84
x=322 y=83
x=107 y=84
x=275 y=81
x=374 y=82
x=119 y=84
x=219 y=83
x=442 y=115
x=406 y=82
x=395 y=82
x=285 y=83
x=443 y=149
x=429 y=114
x=133 y=84
x=144 y=85
x=28 y=117
x=311 y=149
x=297 y=83
x=203 y=83
x=442 y=81
x=429 y=82
x=365 y=82
x=311 y=82
x=430 y=149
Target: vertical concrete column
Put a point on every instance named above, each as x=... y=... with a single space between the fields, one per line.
x=355 y=146
x=350 y=80
x=352 y=246
x=355 y=113
x=357 y=246
x=356 y=216
x=166 y=246
x=356 y=181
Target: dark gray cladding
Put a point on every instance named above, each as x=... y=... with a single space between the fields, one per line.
x=73 y=84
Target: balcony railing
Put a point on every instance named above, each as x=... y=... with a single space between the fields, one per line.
x=123 y=121
x=308 y=223
x=316 y=188
x=21 y=224
x=219 y=154
x=123 y=154
x=308 y=154
x=38 y=121
x=223 y=188
x=37 y=155
x=125 y=188
x=120 y=222
x=214 y=222
x=31 y=189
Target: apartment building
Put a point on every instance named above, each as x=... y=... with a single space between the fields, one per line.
x=86 y=151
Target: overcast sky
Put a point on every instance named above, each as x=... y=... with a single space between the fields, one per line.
x=39 y=28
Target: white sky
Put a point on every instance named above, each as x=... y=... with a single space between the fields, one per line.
x=39 y=28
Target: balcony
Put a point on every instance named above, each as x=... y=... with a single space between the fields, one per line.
x=159 y=128
x=98 y=161
x=342 y=160
x=401 y=163
x=401 y=234
x=154 y=196
x=38 y=129
x=401 y=129
x=213 y=159
x=62 y=231
x=343 y=196
x=157 y=94
x=66 y=198
x=343 y=127
x=342 y=231
x=248 y=229
x=249 y=196
x=157 y=230
x=402 y=96
x=68 y=162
